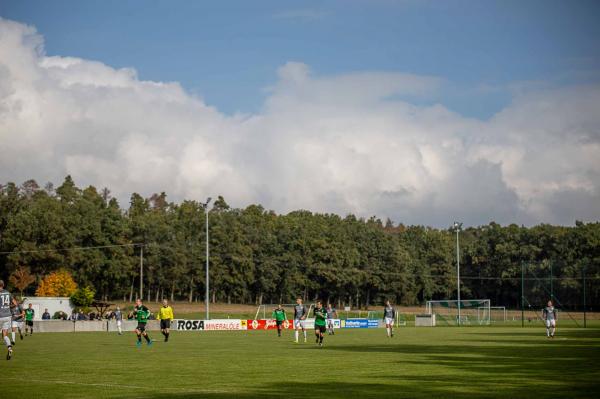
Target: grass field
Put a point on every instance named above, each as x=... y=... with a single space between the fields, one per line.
x=468 y=362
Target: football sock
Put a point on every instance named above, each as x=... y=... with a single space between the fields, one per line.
x=139 y=338
x=296 y=335
x=13 y=334
x=321 y=339
x=147 y=338
x=7 y=341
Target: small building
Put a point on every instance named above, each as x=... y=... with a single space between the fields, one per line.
x=52 y=303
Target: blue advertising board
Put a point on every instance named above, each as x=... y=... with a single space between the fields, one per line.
x=360 y=323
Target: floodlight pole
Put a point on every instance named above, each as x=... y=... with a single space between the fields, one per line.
x=205 y=206
x=142 y=272
x=457 y=227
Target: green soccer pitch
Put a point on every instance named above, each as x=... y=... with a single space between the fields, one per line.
x=468 y=362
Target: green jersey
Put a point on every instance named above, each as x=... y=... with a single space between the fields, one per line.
x=279 y=314
x=29 y=313
x=320 y=316
x=141 y=314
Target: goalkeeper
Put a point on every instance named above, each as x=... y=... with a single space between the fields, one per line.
x=279 y=316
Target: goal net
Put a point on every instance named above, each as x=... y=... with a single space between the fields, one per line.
x=378 y=315
x=497 y=313
x=266 y=311
x=471 y=311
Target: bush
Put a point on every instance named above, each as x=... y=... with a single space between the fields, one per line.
x=83 y=298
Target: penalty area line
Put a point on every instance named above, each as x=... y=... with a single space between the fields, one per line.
x=117 y=386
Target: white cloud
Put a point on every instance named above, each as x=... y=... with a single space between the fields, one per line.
x=341 y=144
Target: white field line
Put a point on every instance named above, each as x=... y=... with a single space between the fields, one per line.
x=107 y=385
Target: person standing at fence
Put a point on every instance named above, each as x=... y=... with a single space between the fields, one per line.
x=279 y=316
x=18 y=315
x=331 y=314
x=5 y=318
x=320 y=324
x=141 y=314
x=389 y=315
x=300 y=314
x=549 y=315
x=118 y=315
x=29 y=315
x=165 y=315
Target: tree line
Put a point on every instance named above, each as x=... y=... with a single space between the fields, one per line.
x=259 y=256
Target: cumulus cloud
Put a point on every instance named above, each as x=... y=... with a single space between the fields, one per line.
x=343 y=144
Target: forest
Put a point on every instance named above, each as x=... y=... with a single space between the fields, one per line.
x=259 y=256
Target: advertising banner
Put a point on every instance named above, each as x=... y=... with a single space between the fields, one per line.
x=269 y=324
x=360 y=323
x=187 y=325
x=225 y=324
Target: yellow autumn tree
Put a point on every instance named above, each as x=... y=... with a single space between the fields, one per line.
x=58 y=283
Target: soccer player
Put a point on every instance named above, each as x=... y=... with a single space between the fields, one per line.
x=389 y=314
x=18 y=315
x=5 y=318
x=29 y=315
x=279 y=316
x=141 y=314
x=549 y=316
x=165 y=315
x=300 y=314
x=118 y=315
x=331 y=314
x=320 y=326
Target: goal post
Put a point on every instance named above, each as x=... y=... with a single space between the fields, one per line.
x=472 y=311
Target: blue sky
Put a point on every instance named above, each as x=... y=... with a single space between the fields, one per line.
x=228 y=52
x=421 y=111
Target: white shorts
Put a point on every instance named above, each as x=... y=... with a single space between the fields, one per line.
x=119 y=323
x=5 y=323
x=388 y=321
x=329 y=322
x=17 y=324
x=299 y=324
x=550 y=323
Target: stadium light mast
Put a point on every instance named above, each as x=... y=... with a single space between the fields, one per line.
x=205 y=206
x=457 y=227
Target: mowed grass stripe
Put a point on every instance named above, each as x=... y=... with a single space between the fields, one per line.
x=417 y=362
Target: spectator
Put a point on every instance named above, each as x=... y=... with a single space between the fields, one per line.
x=60 y=315
x=74 y=316
x=46 y=315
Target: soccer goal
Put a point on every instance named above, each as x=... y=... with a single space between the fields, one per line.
x=266 y=311
x=472 y=311
x=378 y=315
x=497 y=313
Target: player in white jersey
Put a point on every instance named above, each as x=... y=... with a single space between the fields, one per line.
x=300 y=313
x=118 y=315
x=331 y=315
x=389 y=314
x=549 y=315
x=18 y=315
x=5 y=318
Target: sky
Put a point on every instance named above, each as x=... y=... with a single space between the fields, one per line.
x=424 y=112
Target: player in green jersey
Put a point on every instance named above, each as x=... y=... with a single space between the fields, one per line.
x=141 y=314
x=29 y=315
x=320 y=324
x=279 y=316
